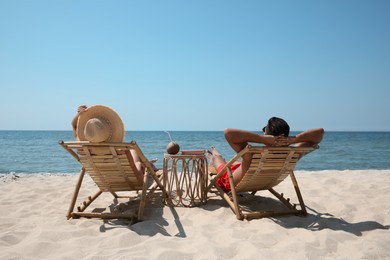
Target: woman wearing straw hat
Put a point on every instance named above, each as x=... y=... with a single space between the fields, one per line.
x=100 y=123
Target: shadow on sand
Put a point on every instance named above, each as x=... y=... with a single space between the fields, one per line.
x=153 y=223
x=317 y=221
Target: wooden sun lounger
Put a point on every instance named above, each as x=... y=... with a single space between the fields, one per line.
x=269 y=167
x=112 y=171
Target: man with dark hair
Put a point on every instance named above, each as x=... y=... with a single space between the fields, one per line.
x=276 y=127
x=276 y=133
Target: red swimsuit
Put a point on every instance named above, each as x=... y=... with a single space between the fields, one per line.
x=223 y=181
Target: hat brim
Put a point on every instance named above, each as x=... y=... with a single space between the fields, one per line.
x=100 y=111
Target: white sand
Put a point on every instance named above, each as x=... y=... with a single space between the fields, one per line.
x=349 y=218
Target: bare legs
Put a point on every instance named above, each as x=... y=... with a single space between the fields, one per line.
x=137 y=162
x=216 y=158
x=139 y=167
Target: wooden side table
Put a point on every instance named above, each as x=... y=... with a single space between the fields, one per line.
x=185 y=178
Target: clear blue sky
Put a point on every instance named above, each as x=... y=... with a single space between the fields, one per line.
x=196 y=65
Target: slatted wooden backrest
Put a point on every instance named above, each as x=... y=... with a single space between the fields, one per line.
x=107 y=164
x=270 y=166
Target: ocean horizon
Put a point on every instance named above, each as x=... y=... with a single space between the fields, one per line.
x=38 y=151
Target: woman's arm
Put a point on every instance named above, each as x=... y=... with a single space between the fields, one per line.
x=80 y=109
x=74 y=126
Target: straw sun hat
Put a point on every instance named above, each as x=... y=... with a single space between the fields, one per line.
x=99 y=123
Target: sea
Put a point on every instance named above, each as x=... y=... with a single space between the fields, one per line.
x=31 y=152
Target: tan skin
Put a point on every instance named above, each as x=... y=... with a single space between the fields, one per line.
x=140 y=169
x=238 y=139
x=80 y=110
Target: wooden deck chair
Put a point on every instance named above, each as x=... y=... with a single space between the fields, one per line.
x=112 y=170
x=269 y=167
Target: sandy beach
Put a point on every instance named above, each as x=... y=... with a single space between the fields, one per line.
x=349 y=218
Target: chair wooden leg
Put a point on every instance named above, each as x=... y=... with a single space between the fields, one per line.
x=89 y=201
x=285 y=201
x=236 y=206
x=75 y=193
x=143 y=198
x=298 y=192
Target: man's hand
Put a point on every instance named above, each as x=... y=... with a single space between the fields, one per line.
x=281 y=141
